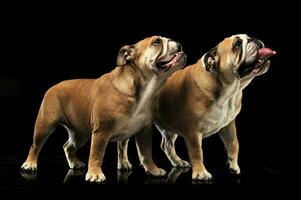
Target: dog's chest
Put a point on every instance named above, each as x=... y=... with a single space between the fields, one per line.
x=141 y=115
x=137 y=121
x=219 y=116
x=133 y=124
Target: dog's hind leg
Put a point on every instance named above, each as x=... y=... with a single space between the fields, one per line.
x=46 y=122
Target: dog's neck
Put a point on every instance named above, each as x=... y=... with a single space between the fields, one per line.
x=131 y=81
x=145 y=80
x=227 y=91
x=150 y=91
x=217 y=88
x=244 y=82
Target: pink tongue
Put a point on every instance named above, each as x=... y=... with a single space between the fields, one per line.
x=264 y=53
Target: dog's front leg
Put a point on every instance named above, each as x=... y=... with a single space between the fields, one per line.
x=194 y=145
x=98 y=146
x=144 y=147
x=229 y=138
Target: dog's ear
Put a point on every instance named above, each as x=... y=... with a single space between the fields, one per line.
x=126 y=53
x=209 y=59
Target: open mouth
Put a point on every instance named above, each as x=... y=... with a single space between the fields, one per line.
x=168 y=63
x=260 y=63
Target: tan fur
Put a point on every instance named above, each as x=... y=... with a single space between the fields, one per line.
x=108 y=108
x=204 y=99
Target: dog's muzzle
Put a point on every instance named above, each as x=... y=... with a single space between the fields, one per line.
x=172 y=59
x=261 y=61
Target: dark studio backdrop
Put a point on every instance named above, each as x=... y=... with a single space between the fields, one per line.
x=42 y=47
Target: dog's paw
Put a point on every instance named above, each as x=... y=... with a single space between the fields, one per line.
x=201 y=175
x=29 y=165
x=234 y=168
x=77 y=164
x=96 y=177
x=180 y=164
x=124 y=165
x=156 y=172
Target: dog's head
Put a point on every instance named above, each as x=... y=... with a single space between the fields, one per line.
x=153 y=55
x=239 y=56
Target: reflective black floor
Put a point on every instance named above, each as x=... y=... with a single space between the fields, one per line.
x=54 y=178
x=54 y=171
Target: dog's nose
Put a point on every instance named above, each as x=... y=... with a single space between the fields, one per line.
x=179 y=46
x=256 y=41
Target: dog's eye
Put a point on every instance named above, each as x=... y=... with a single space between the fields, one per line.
x=157 y=42
x=238 y=44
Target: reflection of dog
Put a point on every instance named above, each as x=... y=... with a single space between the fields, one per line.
x=171 y=178
x=123 y=176
x=30 y=176
x=175 y=173
x=72 y=174
x=205 y=98
x=110 y=108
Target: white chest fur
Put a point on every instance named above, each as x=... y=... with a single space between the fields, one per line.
x=142 y=114
x=221 y=113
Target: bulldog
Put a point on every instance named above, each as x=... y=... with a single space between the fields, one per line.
x=113 y=107
x=205 y=98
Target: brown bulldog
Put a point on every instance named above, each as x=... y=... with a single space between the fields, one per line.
x=110 y=108
x=205 y=98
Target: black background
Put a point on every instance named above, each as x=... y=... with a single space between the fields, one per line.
x=45 y=44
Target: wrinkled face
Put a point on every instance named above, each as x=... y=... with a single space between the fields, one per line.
x=239 y=55
x=156 y=54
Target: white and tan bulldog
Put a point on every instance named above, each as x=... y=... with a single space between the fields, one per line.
x=113 y=107
x=205 y=98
